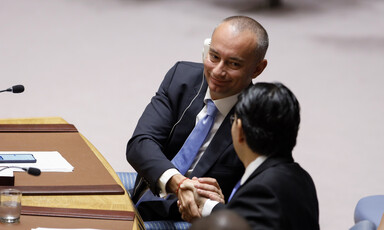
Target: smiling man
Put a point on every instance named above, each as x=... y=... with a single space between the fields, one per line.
x=236 y=56
x=194 y=97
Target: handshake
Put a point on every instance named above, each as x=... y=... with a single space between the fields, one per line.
x=193 y=193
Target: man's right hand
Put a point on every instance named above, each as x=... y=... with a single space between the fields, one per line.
x=186 y=197
x=174 y=182
x=190 y=203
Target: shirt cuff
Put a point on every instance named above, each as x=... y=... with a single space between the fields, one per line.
x=208 y=206
x=164 y=178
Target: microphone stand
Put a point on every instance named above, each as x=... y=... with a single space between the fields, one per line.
x=14 y=89
x=30 y=170
x=6 y=90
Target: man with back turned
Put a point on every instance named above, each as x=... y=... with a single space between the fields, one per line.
x=275 y=192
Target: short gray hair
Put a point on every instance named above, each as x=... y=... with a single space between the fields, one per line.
x=242 y=23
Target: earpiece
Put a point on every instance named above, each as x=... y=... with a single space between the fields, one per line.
x=207 y=43
x=185 y=110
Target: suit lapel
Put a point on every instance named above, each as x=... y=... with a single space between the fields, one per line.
x=197 y=105
x=219 y=143
x=270 y=162
x=184 y=127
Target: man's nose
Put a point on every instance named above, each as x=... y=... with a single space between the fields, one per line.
x=219 y=69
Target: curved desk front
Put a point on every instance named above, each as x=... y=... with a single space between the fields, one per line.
x=90 y=197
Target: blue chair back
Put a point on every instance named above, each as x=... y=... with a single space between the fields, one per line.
x=128 y=180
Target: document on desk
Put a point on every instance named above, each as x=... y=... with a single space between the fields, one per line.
x=64 y=229
x=46 y=161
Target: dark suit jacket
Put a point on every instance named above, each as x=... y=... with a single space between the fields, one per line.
x=278 y=195
x=158 y=137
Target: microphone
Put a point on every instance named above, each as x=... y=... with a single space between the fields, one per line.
x=33 y=171
x=14 y=89
x=29 y=170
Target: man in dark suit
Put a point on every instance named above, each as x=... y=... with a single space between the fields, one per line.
x=274 y=192
x=235 y=57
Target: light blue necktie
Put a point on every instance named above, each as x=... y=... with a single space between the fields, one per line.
x=234 y=190
x=186 y=155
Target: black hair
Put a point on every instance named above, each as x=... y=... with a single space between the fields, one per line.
x=270 y=115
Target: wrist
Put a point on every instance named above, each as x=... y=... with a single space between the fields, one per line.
x=173 y=184
x=180 y=183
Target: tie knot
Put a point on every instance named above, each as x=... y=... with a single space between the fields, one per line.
x=211 y=108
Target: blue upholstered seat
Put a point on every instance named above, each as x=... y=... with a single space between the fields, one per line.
x=167 y=225
x=368 y=212
x=364 y=225
x=128 y=180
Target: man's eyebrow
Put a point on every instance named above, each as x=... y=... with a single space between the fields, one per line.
x=213 y=50
x=237 y=59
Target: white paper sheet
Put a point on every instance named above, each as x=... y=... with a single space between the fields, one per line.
x=63 y=229
x=46 y=161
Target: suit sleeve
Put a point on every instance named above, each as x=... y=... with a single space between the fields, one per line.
x=145 y=148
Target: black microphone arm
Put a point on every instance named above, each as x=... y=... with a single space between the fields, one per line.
x=14 y=89
x=29 y=170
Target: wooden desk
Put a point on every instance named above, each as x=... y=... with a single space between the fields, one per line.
x=99 y=202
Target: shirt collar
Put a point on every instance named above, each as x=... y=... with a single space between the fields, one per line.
x=252 y=167
x=224 y=105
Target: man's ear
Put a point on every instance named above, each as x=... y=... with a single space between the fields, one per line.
x=240 y=131
x=260 y=68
